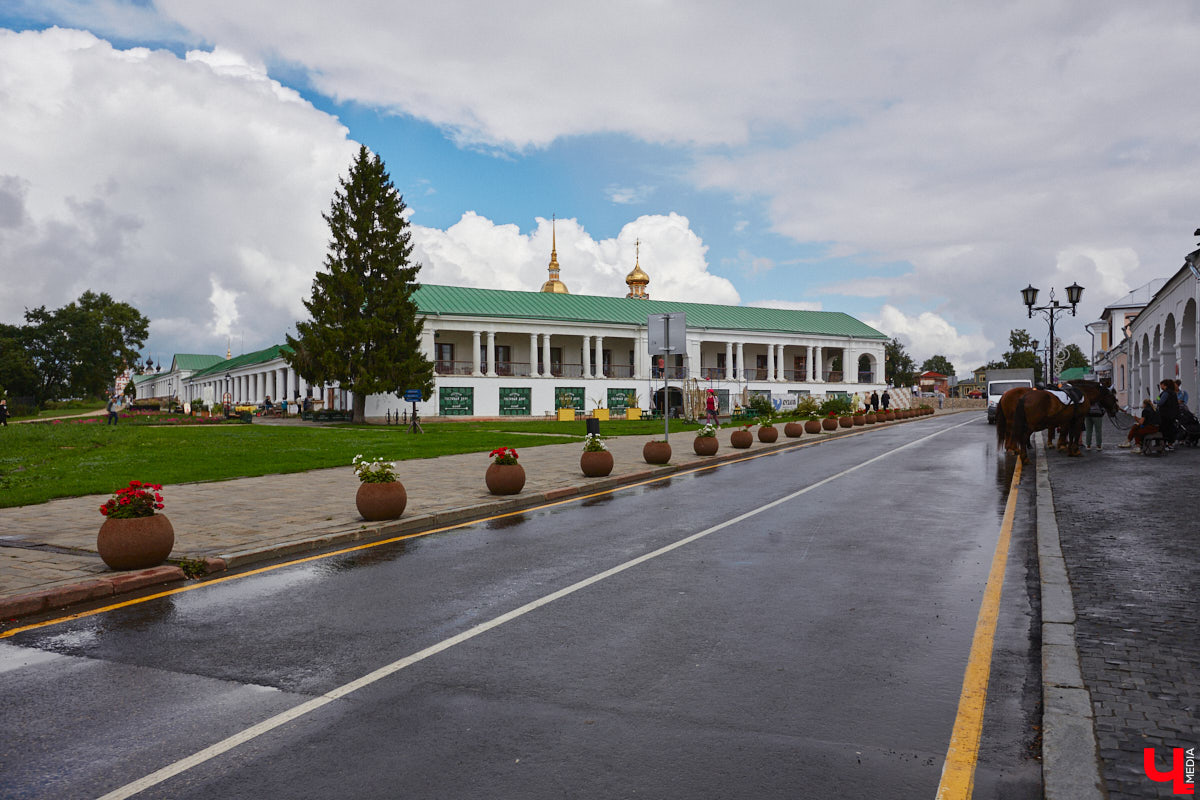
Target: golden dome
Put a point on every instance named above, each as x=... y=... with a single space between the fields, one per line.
x=637 y=279
x=554 y=285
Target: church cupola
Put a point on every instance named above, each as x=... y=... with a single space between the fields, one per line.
x=637 y=280
x=554 y=285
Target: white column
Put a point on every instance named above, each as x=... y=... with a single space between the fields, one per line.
x=818 y=365
x=729 y=361
x=849 y=365
x=491 y=354
x=599 y=356
x=587 y=356
x=546 y=355
x=741 y=362
x=641 y=356
x=533 y=355
x=771 y=363
x=475 y=335
x=780 y=366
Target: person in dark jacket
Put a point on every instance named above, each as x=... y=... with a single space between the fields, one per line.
x=874 y=401
x=4 y=413
x=1142 y=426
x=886 y=399
x=1168 y=412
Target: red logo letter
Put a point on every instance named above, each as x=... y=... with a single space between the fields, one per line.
x=1175 y=775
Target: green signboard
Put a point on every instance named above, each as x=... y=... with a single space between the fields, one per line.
x=515 y=401
x=569 y=397
x=456 y=401
x=621 y=399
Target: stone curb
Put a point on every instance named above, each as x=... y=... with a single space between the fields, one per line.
x=107 y=586
x=23 y=605
x=1070 y=756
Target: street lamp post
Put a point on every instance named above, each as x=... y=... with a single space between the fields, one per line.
x=1051 y=312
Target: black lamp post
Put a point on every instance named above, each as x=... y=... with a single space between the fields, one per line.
x=1051 y=312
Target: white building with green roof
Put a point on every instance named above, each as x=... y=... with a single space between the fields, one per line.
x=509 y=353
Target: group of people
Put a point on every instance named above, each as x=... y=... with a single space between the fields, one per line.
x=1159 y=417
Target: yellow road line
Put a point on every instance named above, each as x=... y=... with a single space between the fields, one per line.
x=958 y=773
x=394 y=539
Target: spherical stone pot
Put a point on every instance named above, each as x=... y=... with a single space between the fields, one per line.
x=135 y=543
x=870 y=418
x=768 y=434
x=794 y=430
x=812 y=426
x=890 y=416
x=741 y=439
x=656 y=452
x=829 y=424
x=846 y=422
x=705 y=445
x=380 y=501
x=859 y=419
x=505 y=478
x=597 y=464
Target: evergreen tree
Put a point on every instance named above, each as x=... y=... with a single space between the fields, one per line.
x=364 y=332
x=898 y=364
x=1022 y=353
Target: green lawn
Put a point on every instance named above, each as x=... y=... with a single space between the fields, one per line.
x=39 y=462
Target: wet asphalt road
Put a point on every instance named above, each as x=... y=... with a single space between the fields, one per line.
x=813 y=649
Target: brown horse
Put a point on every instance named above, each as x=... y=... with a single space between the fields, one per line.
x=1039 y=410
x=1006 y=411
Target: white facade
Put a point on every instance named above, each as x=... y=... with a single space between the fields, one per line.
x=496 y=366
x=1163 y=337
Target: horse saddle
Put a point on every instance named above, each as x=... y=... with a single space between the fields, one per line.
x=1068 y=395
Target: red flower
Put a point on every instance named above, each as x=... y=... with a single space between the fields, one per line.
x=104 y=510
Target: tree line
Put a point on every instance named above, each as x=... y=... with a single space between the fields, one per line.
x=1022 y=353
x=70 y=352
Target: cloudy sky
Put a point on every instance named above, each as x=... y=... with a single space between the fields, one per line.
x=912 y=162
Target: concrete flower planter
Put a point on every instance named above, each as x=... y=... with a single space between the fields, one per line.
x=380 y=501
x=505 y=478
x=596 y=464
x=135 y=543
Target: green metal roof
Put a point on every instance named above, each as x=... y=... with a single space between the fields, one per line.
x=244 y=360
x=192 y=361
x=462 y=301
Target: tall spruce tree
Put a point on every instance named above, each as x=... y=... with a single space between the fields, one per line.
x=364 y=332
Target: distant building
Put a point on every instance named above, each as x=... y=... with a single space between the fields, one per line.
x=510 y=353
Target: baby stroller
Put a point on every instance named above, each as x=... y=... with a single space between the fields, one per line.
x=1188 y=427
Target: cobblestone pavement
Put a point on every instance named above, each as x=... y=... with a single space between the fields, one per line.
x=1130 y=536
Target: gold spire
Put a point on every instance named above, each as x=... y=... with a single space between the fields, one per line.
x=637 y=280
x=554 y=285
x=229 y=349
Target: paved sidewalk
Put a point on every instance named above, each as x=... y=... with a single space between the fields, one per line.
x=48 y=553
x=1128 y=529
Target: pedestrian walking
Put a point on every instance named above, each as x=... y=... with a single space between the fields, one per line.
x=710 y=408
x=886 y=399
x=4 y=413
x=874 y=401
x=941 y=399
x=111 y=408
x=1093 y=423
x=1168 y=412
x=1180 y=393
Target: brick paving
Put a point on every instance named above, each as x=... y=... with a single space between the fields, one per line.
x=1130 y=536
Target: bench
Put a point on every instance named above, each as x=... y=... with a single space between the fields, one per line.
x=1153 y=444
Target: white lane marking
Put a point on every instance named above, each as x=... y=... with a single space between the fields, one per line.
x=253 y=732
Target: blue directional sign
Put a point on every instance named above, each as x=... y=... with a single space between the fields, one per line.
x=412 y=395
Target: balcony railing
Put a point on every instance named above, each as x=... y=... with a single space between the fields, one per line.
x=673 y=373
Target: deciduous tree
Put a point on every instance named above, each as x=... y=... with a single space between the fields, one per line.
x=899 y=365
